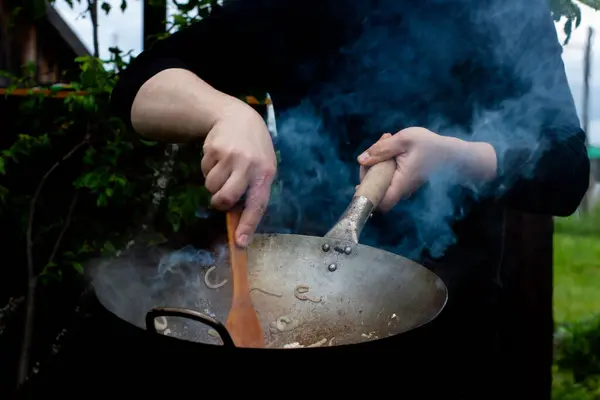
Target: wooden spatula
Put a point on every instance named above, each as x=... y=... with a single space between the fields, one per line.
x=242 y=322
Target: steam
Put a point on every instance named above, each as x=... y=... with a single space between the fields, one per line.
x=136 y=282
x=404 y=68
x=411 y=73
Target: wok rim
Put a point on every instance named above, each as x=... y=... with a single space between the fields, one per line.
x=442 y=287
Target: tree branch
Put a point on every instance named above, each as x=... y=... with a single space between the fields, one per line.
x=93 y=11
x=64 y=228
x=23 y=370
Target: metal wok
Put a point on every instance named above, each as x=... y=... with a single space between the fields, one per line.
x=325 y=291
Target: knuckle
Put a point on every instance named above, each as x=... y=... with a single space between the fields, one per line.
x=264 y=170
x=217 y=204
x=236 y=153
x=208 y=148
x=269 y=169
x=225 y=200
x=254 y=161
x=205 y=165
x=210 y=186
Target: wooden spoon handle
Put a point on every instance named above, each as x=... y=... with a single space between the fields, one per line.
x=242 y=323
x=377 y=181
x=239 y=269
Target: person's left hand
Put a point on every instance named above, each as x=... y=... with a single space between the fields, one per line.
x=418 y=152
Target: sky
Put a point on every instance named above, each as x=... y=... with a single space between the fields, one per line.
x=124 y=30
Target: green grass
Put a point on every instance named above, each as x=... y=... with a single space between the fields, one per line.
x=576 y=287
x=576 y=274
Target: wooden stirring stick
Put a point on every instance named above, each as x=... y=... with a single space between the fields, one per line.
x=242 y=322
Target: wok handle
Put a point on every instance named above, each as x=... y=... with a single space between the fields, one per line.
x=189 y=314
x=376 y=181
x=367 y=197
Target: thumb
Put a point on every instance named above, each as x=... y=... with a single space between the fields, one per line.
x=383 y=150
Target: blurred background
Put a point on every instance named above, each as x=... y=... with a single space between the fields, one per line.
x=89 y=182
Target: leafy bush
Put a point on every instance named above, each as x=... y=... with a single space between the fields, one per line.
x=75 y=183
x=578 y=348
x=577 y=360
x=568 y=390
x=110 y=169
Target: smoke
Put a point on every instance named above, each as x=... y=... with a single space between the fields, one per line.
x=133 y=283
x=475 y=70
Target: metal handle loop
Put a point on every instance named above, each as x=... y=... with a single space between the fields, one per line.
x=189 y=314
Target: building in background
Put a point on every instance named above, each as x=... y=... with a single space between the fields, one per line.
x=47 y=42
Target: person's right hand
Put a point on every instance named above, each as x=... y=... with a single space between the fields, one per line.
x=239 y=159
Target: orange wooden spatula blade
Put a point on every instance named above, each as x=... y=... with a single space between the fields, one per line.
x=242 y=322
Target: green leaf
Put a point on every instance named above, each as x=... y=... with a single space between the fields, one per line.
x=109 y=247
x=89 y=103
x=123 y=5
x=102 y=200
x=88 y=157
x=175 y=221
x=77 y=267
x=85 y=248
x=179 y=20
x=2 y=170
x=118 y=179
x=148 y=143
x=106 y=7
x=90 y=180
x=157 y=238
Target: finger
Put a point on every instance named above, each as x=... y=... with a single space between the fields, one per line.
x=257 y=199
x=217 y=177
x=403 y=185
x=231 y=192
x=386 y=148
x=363 y=172
x=209 y=160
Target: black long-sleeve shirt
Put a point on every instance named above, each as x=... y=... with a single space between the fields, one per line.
x=463 y=56
x=342 y=72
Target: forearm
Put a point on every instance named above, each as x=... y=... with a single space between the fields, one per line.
x=175 y=105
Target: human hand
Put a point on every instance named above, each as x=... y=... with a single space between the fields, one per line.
x=239 y=159
x=418 y=153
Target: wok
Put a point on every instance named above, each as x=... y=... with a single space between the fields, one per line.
x=321 y=291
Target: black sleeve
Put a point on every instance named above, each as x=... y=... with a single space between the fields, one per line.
x=227 y=50
x=542 y=159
